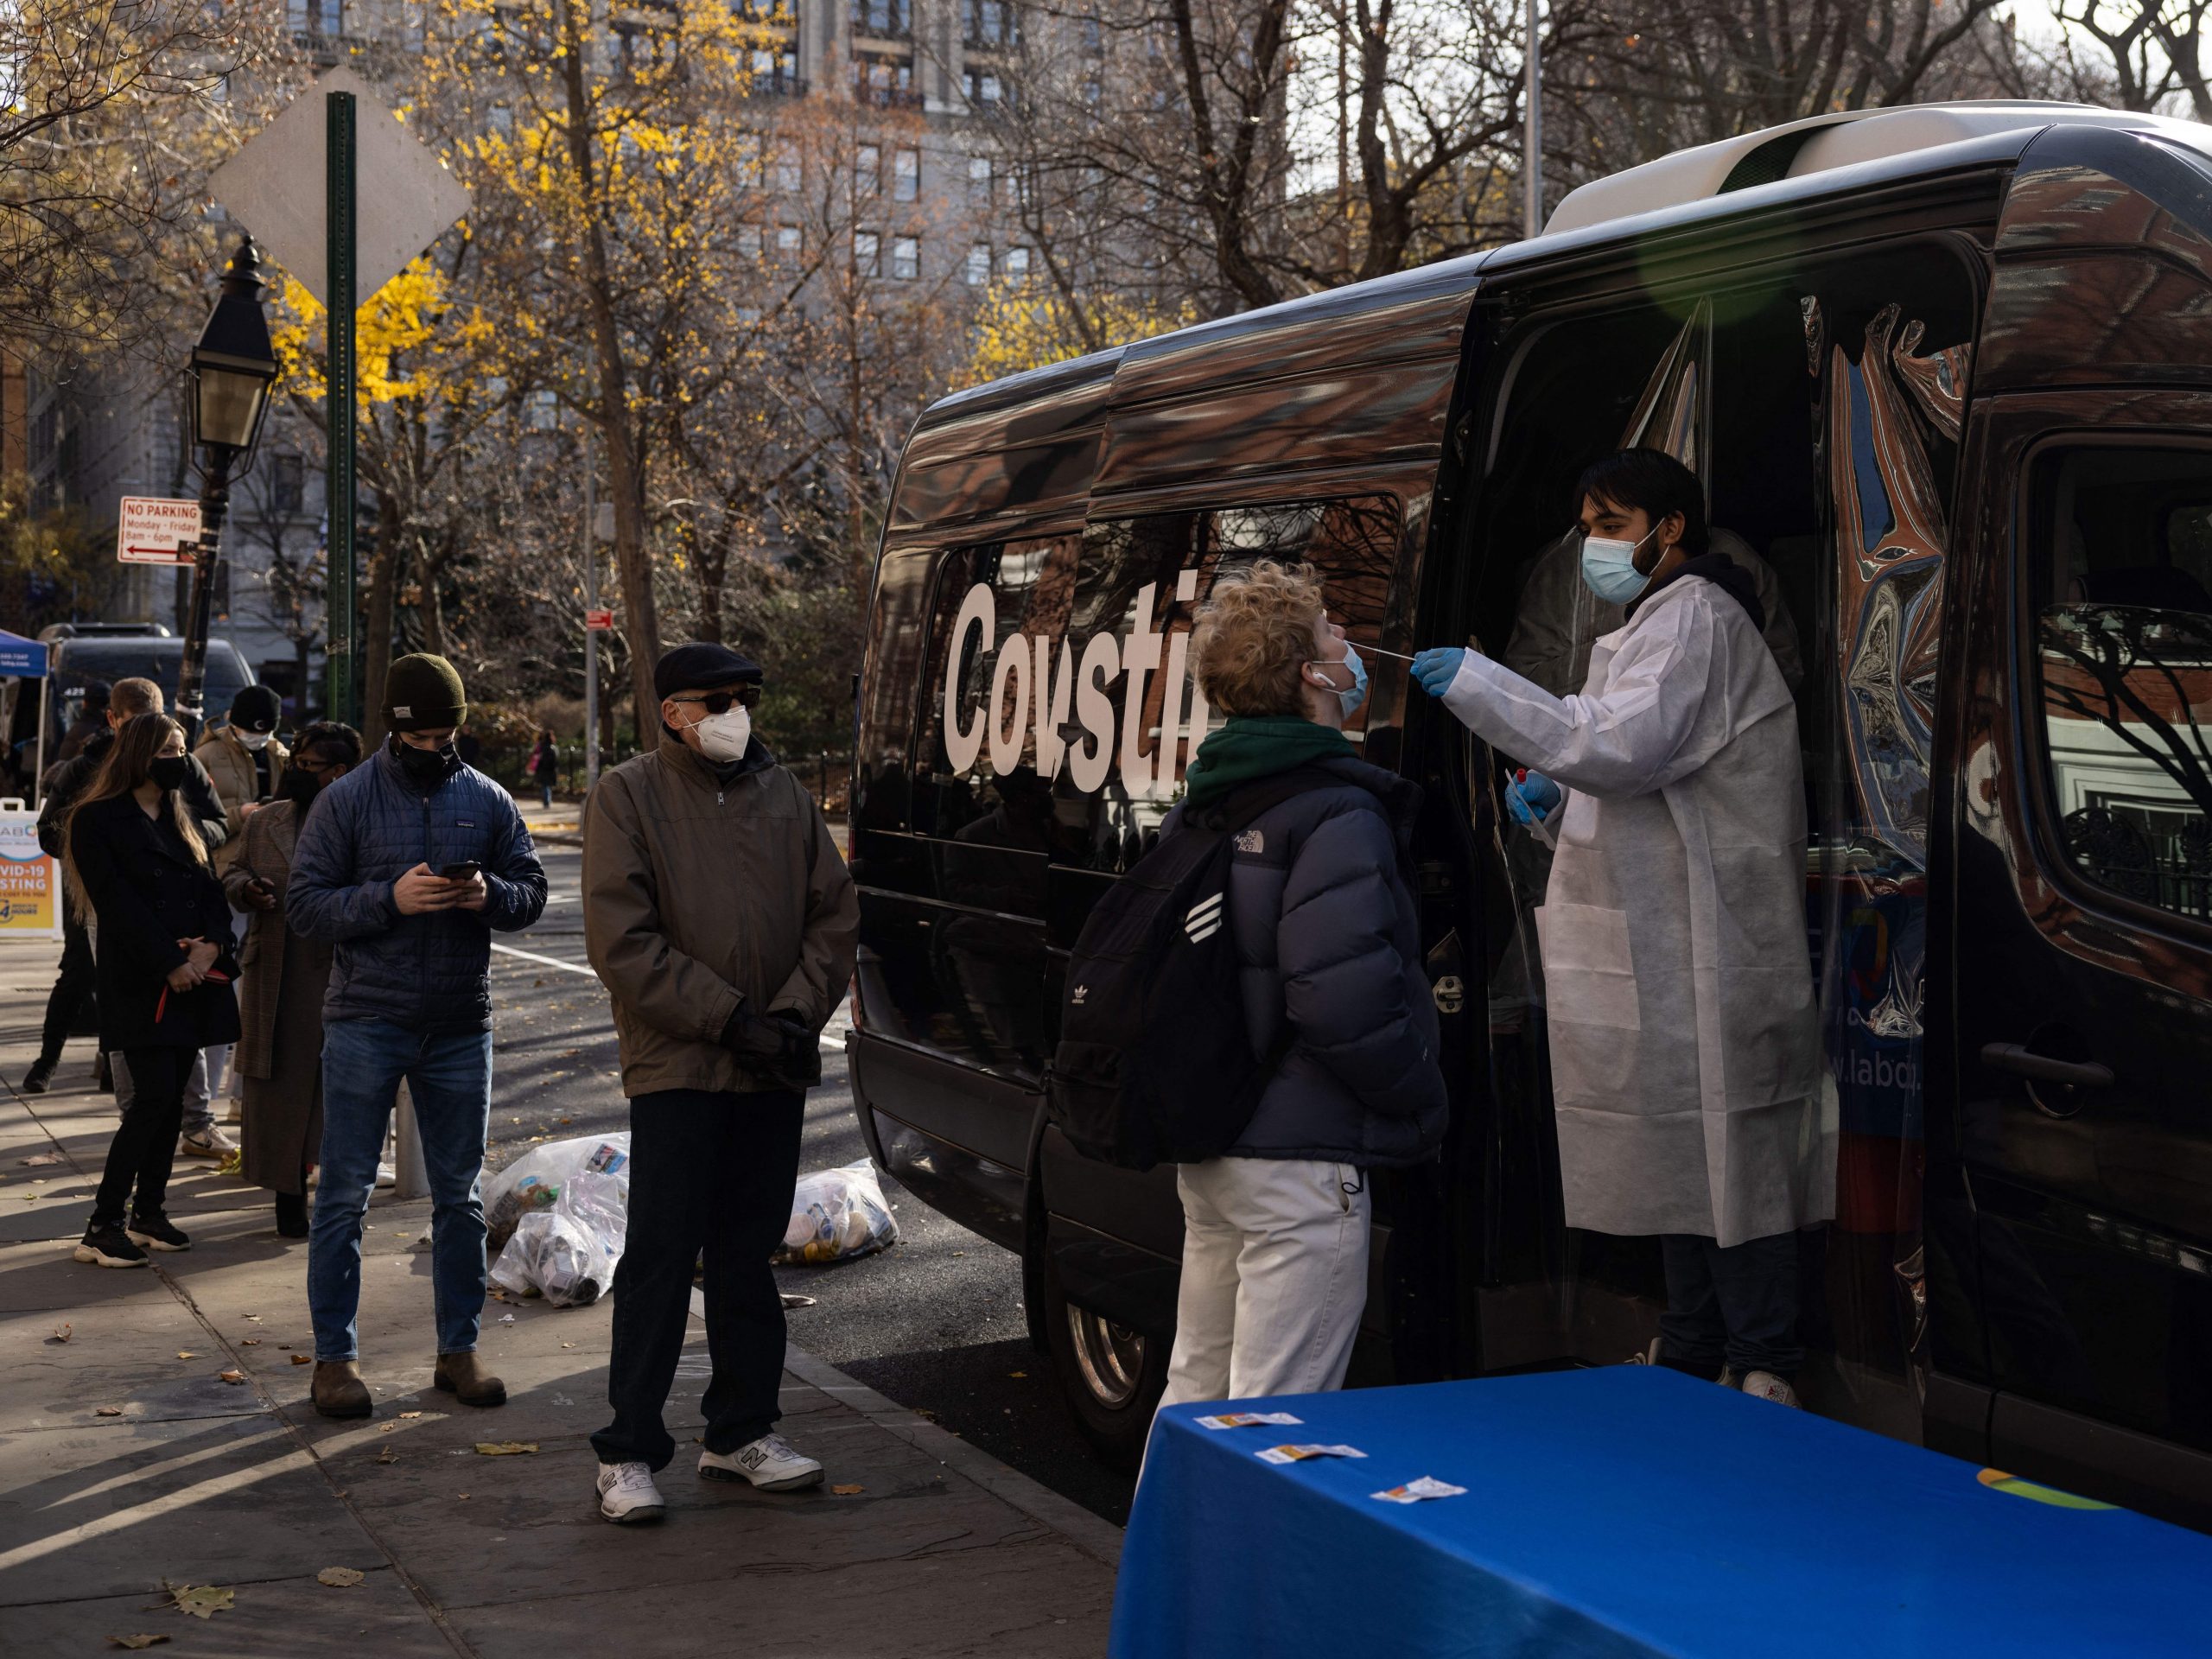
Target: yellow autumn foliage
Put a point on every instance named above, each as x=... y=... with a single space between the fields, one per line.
x=1026 y=325
x=409 y=340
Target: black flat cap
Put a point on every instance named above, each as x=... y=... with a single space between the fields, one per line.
x=702 y=668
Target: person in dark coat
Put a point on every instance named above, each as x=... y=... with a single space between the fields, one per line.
x=1276 y=1231
x=137 y=861
x=92 y=716
x=544 y=768
x=64 y=784
x=286 y=976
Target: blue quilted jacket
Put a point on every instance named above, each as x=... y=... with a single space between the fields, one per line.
x=432 y=971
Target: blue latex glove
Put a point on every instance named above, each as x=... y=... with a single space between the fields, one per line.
x=1532 y=799
x=1436 y=668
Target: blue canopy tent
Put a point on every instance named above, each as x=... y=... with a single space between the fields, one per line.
x=26 y=659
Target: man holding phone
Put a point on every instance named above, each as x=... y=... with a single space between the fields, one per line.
x=406 y=866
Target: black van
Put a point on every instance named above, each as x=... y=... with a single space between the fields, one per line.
x=1947 y=371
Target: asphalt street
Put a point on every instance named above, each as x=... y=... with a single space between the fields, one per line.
x=936 y=1322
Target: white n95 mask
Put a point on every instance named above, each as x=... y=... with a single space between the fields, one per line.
x=725 y=736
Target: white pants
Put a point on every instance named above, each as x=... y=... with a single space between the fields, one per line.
x=1275 y=1275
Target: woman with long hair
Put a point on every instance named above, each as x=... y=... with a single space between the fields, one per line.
x=139 y=869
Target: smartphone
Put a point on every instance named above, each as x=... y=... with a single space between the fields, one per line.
x=459 y=872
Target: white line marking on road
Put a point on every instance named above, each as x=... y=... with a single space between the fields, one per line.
x=550 y=961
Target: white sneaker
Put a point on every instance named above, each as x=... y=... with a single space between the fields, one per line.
x=769 y=1463
x=1766 y=1385
x=627 y=1494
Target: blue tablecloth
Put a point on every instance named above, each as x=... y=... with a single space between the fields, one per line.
x=1627 y=1511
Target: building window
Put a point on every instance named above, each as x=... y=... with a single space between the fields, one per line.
x=883 y=19
x=865 y=245
x=789 y=177
x=748 y=159
x=886 y=82
x=906 y=174
x=1091 y=92
x=776 y=70
x=991 y=24
x=317 y=19
x=1094 y=37
x=979 y=180
x=748 y=242
x=748 y=317
x=1015 y=269
x=868 y=171
x=979 y=265
x=789 y=243
x=502 y=119
x=542 y=412
x=288 y=484
x=906 y=258
x=985 y=90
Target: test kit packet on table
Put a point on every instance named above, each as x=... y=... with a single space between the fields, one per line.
x=1414 y=1491
x=1300 y=1453
x=1248 y=1419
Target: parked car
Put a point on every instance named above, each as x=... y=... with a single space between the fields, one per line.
x=83 y=652
x=1949 y=371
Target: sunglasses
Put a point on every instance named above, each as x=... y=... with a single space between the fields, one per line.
x=718 y=702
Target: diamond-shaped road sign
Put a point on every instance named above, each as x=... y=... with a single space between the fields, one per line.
x=274 y=187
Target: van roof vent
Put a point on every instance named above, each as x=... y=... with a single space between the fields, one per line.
x=1770 y=161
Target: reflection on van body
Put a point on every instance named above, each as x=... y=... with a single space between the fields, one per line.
x=1989 y=573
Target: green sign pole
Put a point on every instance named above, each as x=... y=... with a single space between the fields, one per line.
x=342 y=688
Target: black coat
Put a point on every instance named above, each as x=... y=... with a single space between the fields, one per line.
x=147 y=892
x=70 y=779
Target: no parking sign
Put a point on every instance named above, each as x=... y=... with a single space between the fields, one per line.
x=30 y=881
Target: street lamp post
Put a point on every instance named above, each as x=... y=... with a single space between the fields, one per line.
x=233 y=368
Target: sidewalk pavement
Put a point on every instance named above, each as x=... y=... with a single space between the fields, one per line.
x=126 y=1460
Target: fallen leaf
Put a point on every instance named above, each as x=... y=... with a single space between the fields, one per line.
x=256 y=1318
x=567 y=1344
x=186 y=1353
x=411 y=1414
x=232 y=1377
x=386 y=1428
x=135 y=1643
x=46 y=1158
x=507 y=1319
x=504 y=1448
x=339 y=1578
x=387 y=1456
x=201 y=1601
x=303 y=1359
x=61 y=1333
x=847 y=1492
x=1017 y=1373
x=249 y=1342
x=108 y=1411
x=464 y=1497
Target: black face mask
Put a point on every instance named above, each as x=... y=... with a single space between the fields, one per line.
x=168 y=771
x=426 y=766
x=299 y=786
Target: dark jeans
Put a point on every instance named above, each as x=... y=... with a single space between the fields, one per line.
x=78 y=979
x=145 y=1141
x=713 y=1172
x=1737 y=1306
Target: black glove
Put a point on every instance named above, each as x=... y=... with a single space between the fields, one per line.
x=780 y=1044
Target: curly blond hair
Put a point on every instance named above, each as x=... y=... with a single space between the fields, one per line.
x=1257 y=628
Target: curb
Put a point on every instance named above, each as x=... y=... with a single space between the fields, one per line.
x=1099 y=1539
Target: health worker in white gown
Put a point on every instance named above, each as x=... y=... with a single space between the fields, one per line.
x=1685 y=1047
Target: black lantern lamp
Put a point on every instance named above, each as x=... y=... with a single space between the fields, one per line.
x=233 y=371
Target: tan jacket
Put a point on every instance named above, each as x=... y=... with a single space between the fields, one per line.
x=230 y=764
x=265 y=852
x=699 y=896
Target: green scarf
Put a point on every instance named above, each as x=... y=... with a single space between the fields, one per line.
x=1252 y=747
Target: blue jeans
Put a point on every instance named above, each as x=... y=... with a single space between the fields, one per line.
x=449 y=1079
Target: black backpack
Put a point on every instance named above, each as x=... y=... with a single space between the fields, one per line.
x=1154 y=1063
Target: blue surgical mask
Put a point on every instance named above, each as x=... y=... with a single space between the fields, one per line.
x=1608 y=567
x=1355 y=694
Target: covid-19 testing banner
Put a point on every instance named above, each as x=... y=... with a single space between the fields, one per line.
x=30 y=882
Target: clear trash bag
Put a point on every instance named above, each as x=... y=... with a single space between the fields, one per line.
x=835 y=1214
x=534 y=1180
x=565 y=1249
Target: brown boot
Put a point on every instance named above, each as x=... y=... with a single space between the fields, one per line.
x=339 y=1390
x=461 y=1376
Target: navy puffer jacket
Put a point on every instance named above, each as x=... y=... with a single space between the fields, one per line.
x=430 y=972
x=1328 y=936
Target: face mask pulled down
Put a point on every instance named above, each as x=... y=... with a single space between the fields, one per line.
x=1351 y=698
x=1609 y=568
x=725 y=737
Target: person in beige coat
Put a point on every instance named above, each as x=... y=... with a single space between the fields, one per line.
x=279 y=1052
x=245 y=759
x=722 y=920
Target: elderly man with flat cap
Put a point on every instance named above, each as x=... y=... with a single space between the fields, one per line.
x=720 y=916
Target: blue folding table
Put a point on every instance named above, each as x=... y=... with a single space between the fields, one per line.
x=1627 y=1511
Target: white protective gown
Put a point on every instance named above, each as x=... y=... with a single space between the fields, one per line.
x=1685 y=1046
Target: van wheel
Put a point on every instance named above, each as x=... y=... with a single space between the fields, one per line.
x=1111 y=1376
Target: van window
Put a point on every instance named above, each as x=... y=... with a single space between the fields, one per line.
x=894 y=664
x=2121 y=619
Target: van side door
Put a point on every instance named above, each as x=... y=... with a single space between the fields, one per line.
x=2070 y=1187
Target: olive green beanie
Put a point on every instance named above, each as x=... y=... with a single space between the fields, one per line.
x=422 y=692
